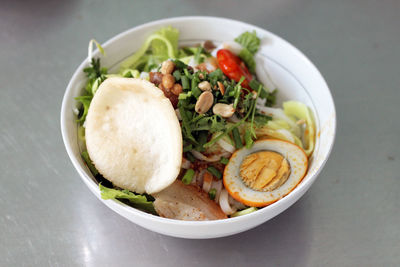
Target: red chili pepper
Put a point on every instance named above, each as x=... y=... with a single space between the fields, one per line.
x=233 y=67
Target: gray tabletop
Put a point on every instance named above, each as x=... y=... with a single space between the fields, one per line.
x=351 y=215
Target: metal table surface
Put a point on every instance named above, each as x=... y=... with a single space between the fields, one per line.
x=351 y=215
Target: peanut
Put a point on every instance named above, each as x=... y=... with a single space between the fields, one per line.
x=223 y=110
x=168 y=81
x=176 y=89
x=204 y=86
x=204 y=102
x=221 y=87
x=167 y=67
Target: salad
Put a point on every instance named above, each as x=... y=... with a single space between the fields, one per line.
x=238 y=152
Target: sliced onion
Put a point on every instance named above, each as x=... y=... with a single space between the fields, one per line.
x=224 y=203
x=178 y=114
x=144 y=75
x=218 y=187
x=289 y=137
x=263 y=74
x=192 y=63
x=225 y=145
x=185 y=163
x=200 y=177
x=200 y=156
x=236 y=204
x=233 y=119
x=194 y=179
x=207 y=185
x=261 y=102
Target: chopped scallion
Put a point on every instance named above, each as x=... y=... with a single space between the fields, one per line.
x=196 y=92
x=187 y=148
x=236 y=138
x=224 y=160
x=248 y=139
x=185 y=83
x=186 y=71
x=215 y=172
x=190 y=157
x=212 y=193
x=188 y=177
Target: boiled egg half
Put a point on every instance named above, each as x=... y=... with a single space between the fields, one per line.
x=265 y=173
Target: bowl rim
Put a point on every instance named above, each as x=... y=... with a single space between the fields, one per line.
x=303 y=186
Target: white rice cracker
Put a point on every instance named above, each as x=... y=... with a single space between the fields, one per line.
x=133 y=135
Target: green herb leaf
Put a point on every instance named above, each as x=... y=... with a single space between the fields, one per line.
x=255 y=85
x=179 y=64
x=177 y=75
x=212 y=123
x=187 y=131
x=271 y=99
x=85 y=100
x=261 y=120
x=249 y=40
x=248 y=59
x=190 y=157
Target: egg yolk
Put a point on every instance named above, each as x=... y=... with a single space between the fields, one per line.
x=264 y=171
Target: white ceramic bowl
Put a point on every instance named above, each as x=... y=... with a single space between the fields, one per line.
x=296 y=77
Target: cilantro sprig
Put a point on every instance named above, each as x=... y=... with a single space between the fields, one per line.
x=96 y=75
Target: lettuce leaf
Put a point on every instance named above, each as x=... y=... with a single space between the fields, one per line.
x=137 y=201
x=159 y=46
x=85 y=100
x=89 y=163
x=249 y=41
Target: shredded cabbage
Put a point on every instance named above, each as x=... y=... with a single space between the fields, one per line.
x=284 y=125
x=300 y=111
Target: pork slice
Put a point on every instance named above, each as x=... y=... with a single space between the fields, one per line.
x=186 y=202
